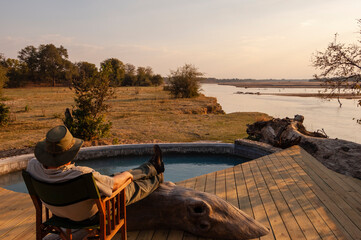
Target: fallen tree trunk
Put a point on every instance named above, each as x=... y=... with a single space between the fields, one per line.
x=338 y=155
x=200 y=213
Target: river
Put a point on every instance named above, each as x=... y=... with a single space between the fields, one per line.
x=319 y=114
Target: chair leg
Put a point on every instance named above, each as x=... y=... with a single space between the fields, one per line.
x=68 y=233
x=124 y=232
x=39 y=234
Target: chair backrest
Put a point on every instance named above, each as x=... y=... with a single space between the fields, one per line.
x=64 y=193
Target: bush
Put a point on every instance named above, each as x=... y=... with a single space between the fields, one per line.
x=87 y=120
x=184 y=82
x=4 y=110
x=4 y=114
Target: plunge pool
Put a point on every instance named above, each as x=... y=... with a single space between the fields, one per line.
x=178 y=166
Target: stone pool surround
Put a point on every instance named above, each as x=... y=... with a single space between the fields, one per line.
x=241 y=147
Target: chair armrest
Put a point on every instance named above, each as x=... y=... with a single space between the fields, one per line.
x=116 y=192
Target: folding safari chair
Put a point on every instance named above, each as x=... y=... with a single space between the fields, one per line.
x=111 y=210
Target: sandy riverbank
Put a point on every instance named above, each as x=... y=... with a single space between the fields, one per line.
x=289 y=84
x=275 y=84
x=320 y=95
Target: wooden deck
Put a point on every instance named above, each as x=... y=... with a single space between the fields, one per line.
x=290 y=192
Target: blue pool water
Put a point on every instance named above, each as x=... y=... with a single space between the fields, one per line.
x=178 y=167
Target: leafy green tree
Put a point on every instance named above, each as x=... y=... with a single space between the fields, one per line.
x=143 y=76
x=3 y=78
x=52 y=62
x=156 y=80
x=17 y=73
x=86 y=70
x=46 y=64
x=28 y=57
x=92 y=89
x=130 y=75
x=184 y=82
x=117 y=70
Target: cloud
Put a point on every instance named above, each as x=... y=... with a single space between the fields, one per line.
x=307 y=23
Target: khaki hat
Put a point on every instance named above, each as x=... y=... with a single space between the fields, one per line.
x=58 y=148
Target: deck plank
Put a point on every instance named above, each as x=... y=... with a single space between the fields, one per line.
x=310 y=221
x=211 y=183
x=339 y=216
x=344 y=204
x=331 y=178
x=256 y=202
x=243 y=195
x=231 y=189
x=221 y=184
x=273 y=213
x=288 y=209
x=299 y=175
x=292 y=182
x=160 y=234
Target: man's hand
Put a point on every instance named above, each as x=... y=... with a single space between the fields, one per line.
x=120 y=179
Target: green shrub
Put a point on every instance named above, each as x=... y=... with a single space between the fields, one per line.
x=87 y=120
x=4 y=114
x=184 y=82
x=27 y=108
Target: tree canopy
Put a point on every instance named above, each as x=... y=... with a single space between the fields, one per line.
x=116 y=70
x=49 y=65
x=340 y=66
x=46 y=63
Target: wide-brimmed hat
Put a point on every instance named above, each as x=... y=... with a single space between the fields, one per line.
x=59 y=147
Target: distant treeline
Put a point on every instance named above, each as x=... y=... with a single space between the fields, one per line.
x=49 y=65
x=234 y=80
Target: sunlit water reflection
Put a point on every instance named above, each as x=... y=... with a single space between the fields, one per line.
x=337 y=122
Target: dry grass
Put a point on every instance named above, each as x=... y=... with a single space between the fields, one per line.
x=139 y=115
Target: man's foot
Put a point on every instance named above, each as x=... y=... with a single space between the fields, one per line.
x=157 y=160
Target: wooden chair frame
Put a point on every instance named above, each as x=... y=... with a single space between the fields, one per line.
x=111 y=212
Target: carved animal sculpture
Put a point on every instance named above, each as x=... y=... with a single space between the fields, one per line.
x=200 y=213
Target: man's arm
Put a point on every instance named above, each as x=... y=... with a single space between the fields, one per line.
x=120 y=179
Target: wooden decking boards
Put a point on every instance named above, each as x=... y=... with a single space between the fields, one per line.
x=290 y=192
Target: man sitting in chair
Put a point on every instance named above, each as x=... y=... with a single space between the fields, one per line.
x=54 y=163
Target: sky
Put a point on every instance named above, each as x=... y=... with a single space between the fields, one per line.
x=223 y=38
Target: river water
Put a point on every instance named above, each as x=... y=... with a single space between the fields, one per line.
x=319 y=114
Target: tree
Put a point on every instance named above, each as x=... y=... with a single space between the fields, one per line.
x=117 y=71
x=87 y=120
x=17 y=73
x=46 y=64
x=143 y=76
x=3 y=78
x=340 y=66
x=86 y=70
x=28 y=57
x=156 y=80
x=184 y=82
x=52 y=62
x=4 y=110
x=130 y=75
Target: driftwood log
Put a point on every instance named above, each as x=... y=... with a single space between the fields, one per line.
x=200 y=213
x=338 y=155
